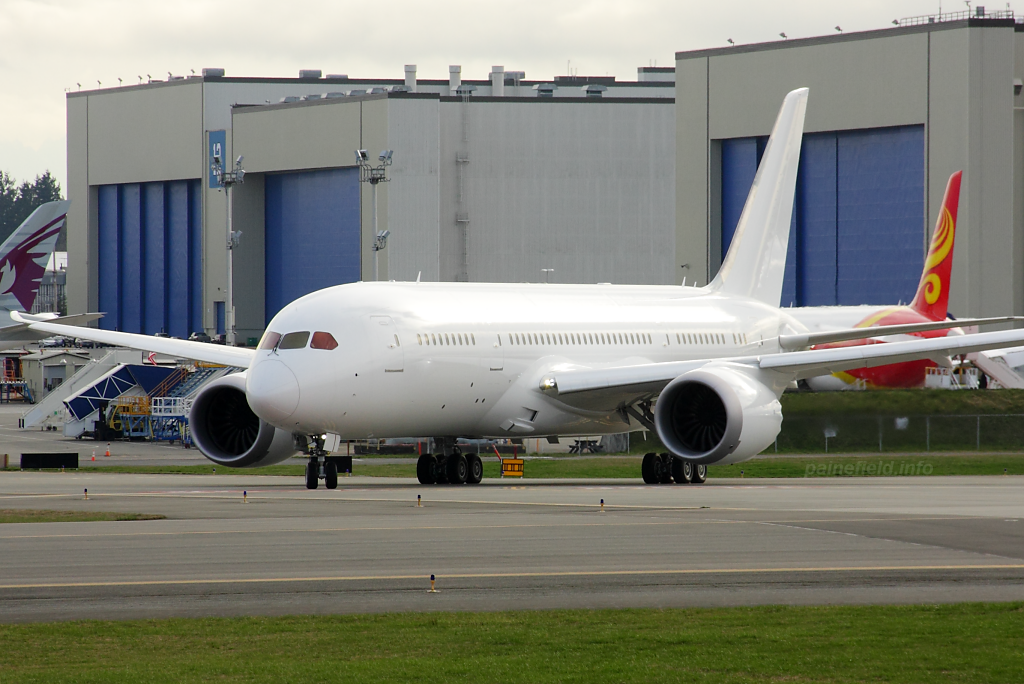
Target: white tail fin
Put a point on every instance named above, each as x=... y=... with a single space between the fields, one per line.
x=24 y=254
x=756 y=262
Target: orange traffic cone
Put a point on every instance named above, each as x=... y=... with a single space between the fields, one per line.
x=108 y=449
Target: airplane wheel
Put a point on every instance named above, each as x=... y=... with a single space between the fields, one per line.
x=331 y=475
x=682 y=470
x=666 y=469
x=458 y=469
x=440 y=471
x=475 y=469
x=649 y=469
x=700 y=474
x=425 y=467
x=312 y=474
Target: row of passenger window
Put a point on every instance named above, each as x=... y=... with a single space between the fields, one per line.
x=446 y=339
x=709 y=338
x=578 y=338
x=298 y=340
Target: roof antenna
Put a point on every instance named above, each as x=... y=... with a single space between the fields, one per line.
x=418 y=276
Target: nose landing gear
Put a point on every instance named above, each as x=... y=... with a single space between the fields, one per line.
x=319 y=466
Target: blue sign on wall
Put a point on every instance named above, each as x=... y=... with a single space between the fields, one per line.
x=218 y=141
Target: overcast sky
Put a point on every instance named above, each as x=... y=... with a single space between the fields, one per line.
x=50 y=46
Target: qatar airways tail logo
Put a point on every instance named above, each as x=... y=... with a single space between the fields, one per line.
x=20 y=268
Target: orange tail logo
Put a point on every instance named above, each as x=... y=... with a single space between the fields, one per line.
x=932 y=296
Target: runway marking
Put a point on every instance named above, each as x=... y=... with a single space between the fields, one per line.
x=605 y=523
x=508 y=575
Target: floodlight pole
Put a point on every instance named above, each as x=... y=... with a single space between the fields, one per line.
x=227 y=179
x=374 y=175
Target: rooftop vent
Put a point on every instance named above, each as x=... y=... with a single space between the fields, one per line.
x=465 y=89
x=331 y=96
x=289 y=98
x=514 y=77
x=545 y=89
x=401 y=89
x=594 y=90
x=309 y=73
x=377 y=91
x=353 y=93
x=213 y=73
x=338 y=76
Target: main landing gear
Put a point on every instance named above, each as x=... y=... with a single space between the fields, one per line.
x=666 y=469
x=320 y=467
x=449 y=467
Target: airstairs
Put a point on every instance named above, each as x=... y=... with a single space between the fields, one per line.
x=51 y=410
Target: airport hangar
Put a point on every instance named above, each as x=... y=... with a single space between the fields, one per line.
x=491 y=179
x=497 y=179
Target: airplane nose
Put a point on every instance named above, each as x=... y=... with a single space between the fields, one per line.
x=272 y=391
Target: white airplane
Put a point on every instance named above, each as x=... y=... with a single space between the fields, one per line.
x=704 y=367
x=23 y=258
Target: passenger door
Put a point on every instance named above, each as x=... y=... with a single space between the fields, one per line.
x=389 y=343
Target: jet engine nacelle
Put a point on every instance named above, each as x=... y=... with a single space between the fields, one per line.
x=717 y=414
x=227 y=431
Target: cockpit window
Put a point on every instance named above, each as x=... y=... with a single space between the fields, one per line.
x=323 y=340
x=270 y=340
x=294 y=340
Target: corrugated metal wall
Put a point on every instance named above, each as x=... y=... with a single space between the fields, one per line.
x=858 y=218
x=150 y=251
x=312 y=233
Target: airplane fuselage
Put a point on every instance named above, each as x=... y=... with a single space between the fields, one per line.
x=467 y=359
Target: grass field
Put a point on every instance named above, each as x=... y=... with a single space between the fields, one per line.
x=975 y=643
x=20 y=516
x=865 y=465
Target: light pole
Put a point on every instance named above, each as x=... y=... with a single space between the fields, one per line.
x=547 y=274
x=374 y=175
x=227 y=179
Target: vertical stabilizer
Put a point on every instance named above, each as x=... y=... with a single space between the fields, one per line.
x=24 y=254
x=756 y=261
x=932 y=298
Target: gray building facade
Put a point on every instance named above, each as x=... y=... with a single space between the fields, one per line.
x=492 y=180
x=892 y=114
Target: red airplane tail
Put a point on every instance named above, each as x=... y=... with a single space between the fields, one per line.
x=932 y=296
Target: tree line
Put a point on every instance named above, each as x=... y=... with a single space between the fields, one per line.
x=17 y=201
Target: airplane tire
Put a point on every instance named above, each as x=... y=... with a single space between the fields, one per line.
x=682 y=470
x=666 y=468
x=475 y=469
x=312 y=475
x=458 y=469
x=425 y=467
x=331 y=475
x=700 y=474
x=648 y=469
x=440 y=469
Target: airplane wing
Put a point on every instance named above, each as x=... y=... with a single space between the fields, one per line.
x=803 y=340
x=22 y=332
x=611 y=388
x=199 y=351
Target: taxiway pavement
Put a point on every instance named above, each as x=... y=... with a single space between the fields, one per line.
x=368 y=546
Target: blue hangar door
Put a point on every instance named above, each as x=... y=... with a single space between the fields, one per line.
x=149 y=269
x=312 y=233
x=857 y=235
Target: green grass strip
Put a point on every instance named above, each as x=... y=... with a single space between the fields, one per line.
x=976 y=643
x=885 y=465
x=15 y=515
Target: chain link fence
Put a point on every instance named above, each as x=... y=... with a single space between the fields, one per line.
x=882 y=434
